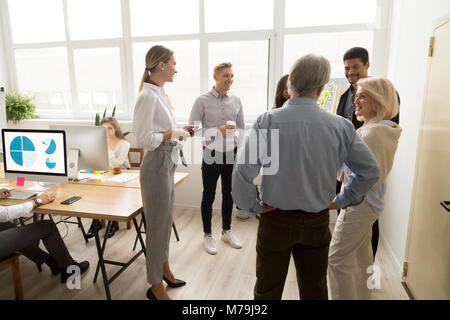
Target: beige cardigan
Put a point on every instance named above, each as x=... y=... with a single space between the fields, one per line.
x=382 y=140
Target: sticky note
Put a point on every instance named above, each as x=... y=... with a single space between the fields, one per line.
x=20 y=181
x=97 y=172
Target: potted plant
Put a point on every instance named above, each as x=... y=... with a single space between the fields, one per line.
x=19 y=107
x=97 y=115
x=98 y=120
x=326 y=95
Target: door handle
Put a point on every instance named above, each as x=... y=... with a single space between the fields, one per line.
x=446 y=204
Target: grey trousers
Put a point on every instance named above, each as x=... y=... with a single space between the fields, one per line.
x=26 y=240
x=157 y=189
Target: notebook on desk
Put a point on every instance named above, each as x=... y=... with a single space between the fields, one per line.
x=123 y=177
x=21 y=195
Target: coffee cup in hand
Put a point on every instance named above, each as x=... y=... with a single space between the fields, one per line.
x=230 y=125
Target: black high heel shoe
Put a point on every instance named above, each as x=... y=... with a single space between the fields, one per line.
x=178 y=283
x=150 y=294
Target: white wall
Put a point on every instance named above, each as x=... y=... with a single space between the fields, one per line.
x=410 y=32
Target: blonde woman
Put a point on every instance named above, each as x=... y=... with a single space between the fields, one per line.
x=350 y=251
x=155 y=129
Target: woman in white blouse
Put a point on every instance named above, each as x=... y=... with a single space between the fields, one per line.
x=118 y=146
x=155 y=129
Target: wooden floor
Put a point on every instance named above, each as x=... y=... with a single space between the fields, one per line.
x=229 y=275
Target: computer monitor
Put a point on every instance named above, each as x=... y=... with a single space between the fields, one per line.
x=38 y=155
x=87 y=148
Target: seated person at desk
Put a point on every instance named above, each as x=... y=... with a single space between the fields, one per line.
x=25 y=239
x=118 y=148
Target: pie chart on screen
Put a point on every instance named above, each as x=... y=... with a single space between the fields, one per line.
x=22 y=151
x=51 y=145
x=50 y=163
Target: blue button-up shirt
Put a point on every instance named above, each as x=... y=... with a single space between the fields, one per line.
x=313 y=144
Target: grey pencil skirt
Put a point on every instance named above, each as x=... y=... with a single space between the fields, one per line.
x=157 y=190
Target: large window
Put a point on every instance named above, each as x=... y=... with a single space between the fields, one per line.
x=78 y=57
x=186 y=85
x=250 y=71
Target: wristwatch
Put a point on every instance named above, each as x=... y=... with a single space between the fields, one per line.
x=38 y=202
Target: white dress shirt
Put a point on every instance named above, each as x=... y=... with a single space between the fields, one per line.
x=152 y=117
x=119 y=156
x=9 y=213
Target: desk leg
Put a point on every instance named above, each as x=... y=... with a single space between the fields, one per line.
x=103 y=250
x=80 y=225
x=101 y=262
x=175 y=230
x=139 y=234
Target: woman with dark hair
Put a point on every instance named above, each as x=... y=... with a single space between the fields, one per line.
x=282 y=93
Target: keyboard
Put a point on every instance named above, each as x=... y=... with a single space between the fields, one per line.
x=21 y=195
x=123 y=177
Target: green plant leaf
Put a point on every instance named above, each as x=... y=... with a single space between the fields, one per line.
x=104 y=113
x=19 y=107
x=114 y=111
x=97 y=119
x=257 y=193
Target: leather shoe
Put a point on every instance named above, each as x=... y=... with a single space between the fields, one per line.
x=84 y=265
x=150 y=294
x=91 y=233
x=178 y=283
x=112 y=230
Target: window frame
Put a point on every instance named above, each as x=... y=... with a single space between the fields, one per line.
x=276 y=51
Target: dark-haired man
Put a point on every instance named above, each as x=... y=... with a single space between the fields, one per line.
x=356 y=66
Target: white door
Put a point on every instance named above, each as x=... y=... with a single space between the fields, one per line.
x=427 y=265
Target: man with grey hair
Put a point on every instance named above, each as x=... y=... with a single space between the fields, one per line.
x=313 y=145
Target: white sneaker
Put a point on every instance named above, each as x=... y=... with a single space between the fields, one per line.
x=242 y=215
x=210 y=244
x=231 y=239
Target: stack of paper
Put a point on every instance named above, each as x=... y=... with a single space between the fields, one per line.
x=123 y=177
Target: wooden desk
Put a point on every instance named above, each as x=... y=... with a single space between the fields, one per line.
x=97 y=202
x=100 y=199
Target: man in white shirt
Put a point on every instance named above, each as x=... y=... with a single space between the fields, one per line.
x=26 y=238
x=219 y=113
